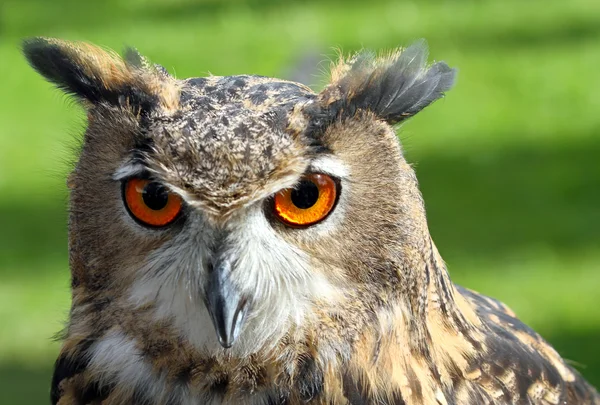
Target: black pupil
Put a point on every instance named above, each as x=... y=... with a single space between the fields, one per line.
x=305 y=195
x=155 y=196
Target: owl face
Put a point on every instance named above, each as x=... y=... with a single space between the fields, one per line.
x=240 y=210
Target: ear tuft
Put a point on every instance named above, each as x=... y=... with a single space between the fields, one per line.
x=98 y=76
x=394 y=87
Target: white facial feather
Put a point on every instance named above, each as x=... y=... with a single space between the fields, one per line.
x=275 y=273
x=329 y=165
x=280 y=278
x=128 y=169
x=172 y=280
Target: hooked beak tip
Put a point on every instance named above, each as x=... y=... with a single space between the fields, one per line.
x=228 y=332
x=226 y=306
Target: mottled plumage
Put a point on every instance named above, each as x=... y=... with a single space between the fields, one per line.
x=355 y=309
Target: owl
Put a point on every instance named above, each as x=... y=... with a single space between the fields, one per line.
x=245 y=240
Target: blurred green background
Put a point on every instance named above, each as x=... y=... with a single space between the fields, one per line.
x=509 y=161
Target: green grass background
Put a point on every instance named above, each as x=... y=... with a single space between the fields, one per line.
x=509 y=161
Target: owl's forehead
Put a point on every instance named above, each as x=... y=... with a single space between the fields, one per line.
x=257 y=92
x=232 y=139
x=236 y=109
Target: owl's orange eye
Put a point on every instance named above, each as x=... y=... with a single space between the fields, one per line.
x=150 y=202
x=308 y=203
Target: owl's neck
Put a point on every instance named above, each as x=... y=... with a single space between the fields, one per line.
x=434 y=298
x=427 y=333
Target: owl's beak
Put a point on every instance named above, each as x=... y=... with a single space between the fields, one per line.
x=227 y=307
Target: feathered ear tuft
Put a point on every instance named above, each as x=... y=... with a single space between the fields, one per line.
x=95 y=75
x=393 y=87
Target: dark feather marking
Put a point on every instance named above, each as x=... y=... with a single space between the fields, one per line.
x=184 y=375
x=580 y=390
x=143 y=148
x=460 y=322
x=278 y=399
x=447 y=298
x=358 y=394
x=101 y=303
x=75 y=281
x=67 y=367
x=397 y=399
x=393 y=89
x=55 y=64
x=95 y=392
x=310 y=379
x=415 y=386
x=457 y=377
x=354 y=390
x=258 y=97
x=506 y=394
x=507 y=352
x=219 y=385
x=377 y=348
x=426 y=286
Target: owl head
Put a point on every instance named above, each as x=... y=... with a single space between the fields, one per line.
x=245 y=205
